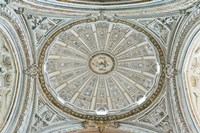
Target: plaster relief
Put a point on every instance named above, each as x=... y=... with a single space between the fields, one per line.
x=7 y=79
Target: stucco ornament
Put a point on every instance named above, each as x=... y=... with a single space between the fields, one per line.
x=100 y=64
x=7 y=79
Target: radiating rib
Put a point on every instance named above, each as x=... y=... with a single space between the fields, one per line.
x=66 y=70
x=62 y=71
x=95 y=35
x=108 y=36
x=72 y=69
x=69 y=81
x=53 y=74
x=138 y=71
x=110 y=103
x=130 y=59
x=77 y=50
x=149 y=57
x=74 y=97
x=135 y=46
x=93 y=103
x=67 y=52
x=123 y=39
x=80 y=39
x=57 y=42
x=60 y=87
x=133 y=82
x=124 y=92
x=51 y=57
x=137 y=58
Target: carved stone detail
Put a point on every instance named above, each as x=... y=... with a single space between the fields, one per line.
x=165 y=125
x=101 y=125
x=7 y=79
x=42 y=25
x=44 y=117
x=32 y=70
x=156 y=115
x=19 y=10
x=170 y=71
x=161 y=26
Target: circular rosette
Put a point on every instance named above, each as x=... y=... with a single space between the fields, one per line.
x=101 y=63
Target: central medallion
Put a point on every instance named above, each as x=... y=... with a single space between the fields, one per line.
x=101 y=63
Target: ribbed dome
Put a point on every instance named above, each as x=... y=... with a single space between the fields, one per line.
x=101 y=65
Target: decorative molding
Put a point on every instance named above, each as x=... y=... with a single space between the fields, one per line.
x=32 y=71
x=101 y=125
x=19 y=10
x=188 y=24
x=41 y=26
x=44 y=117
x=9 y=17
x=170 y=71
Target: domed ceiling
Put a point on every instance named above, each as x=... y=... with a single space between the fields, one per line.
x=101 y=67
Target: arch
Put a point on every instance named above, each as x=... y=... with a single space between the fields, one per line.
x=11 y=31
x=184 y=84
